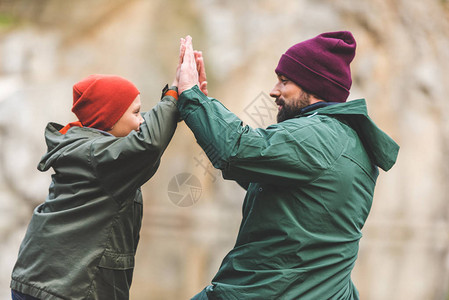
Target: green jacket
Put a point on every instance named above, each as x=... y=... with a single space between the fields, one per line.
x=81 y=243
x=311 y=183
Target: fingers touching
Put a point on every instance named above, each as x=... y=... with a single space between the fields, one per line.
x=191 y=70
x=188 y=74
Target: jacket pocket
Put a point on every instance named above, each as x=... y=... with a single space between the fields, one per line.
x=114 y=279
x=117 y=261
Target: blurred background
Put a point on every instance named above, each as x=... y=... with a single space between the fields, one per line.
x=401 y=68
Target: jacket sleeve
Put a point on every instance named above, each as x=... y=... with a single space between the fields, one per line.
x=282 y=154
x=243 y=184
x=124 y=164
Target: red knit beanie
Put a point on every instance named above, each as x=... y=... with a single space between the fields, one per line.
x=321 y=65
x=99 y=101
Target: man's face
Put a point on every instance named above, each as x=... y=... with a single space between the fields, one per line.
x=289 y=97
x=129 y=121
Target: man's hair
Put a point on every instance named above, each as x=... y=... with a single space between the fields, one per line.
x=321 y=65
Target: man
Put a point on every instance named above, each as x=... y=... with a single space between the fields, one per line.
x=310 y=178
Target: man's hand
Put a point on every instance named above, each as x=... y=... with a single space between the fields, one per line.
x=201 y=71
x=188 y=75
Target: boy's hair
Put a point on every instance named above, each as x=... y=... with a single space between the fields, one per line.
x=99 y=101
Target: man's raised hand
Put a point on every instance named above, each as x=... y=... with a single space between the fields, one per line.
x=188 y=75
x=201 y=71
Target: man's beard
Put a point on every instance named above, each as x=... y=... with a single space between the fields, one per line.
x=292 y=109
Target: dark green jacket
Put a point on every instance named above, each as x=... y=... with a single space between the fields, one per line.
x=311 y=183
x=81 y=242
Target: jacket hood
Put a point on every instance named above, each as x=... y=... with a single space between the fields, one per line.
x=57 y=142
x=382 y=149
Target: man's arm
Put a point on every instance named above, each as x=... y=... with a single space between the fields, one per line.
x=276 y=154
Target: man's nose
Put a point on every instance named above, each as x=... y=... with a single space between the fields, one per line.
x=275 y=92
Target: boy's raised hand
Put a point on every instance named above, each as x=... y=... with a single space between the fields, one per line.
x=182 y=49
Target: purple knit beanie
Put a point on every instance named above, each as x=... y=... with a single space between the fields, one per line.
x=321 y=65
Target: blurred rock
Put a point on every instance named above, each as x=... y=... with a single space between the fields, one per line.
x=401 y=68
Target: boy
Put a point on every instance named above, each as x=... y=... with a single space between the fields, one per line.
x=81 y=242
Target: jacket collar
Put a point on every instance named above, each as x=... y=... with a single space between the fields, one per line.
x=379 y=146
x=315 y=106
x=353 y=107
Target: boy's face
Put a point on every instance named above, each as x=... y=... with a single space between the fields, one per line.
x=129 y=121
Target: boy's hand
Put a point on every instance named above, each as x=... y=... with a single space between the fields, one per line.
x=182 y=49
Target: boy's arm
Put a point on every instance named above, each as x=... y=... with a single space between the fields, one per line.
x=126 y=163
